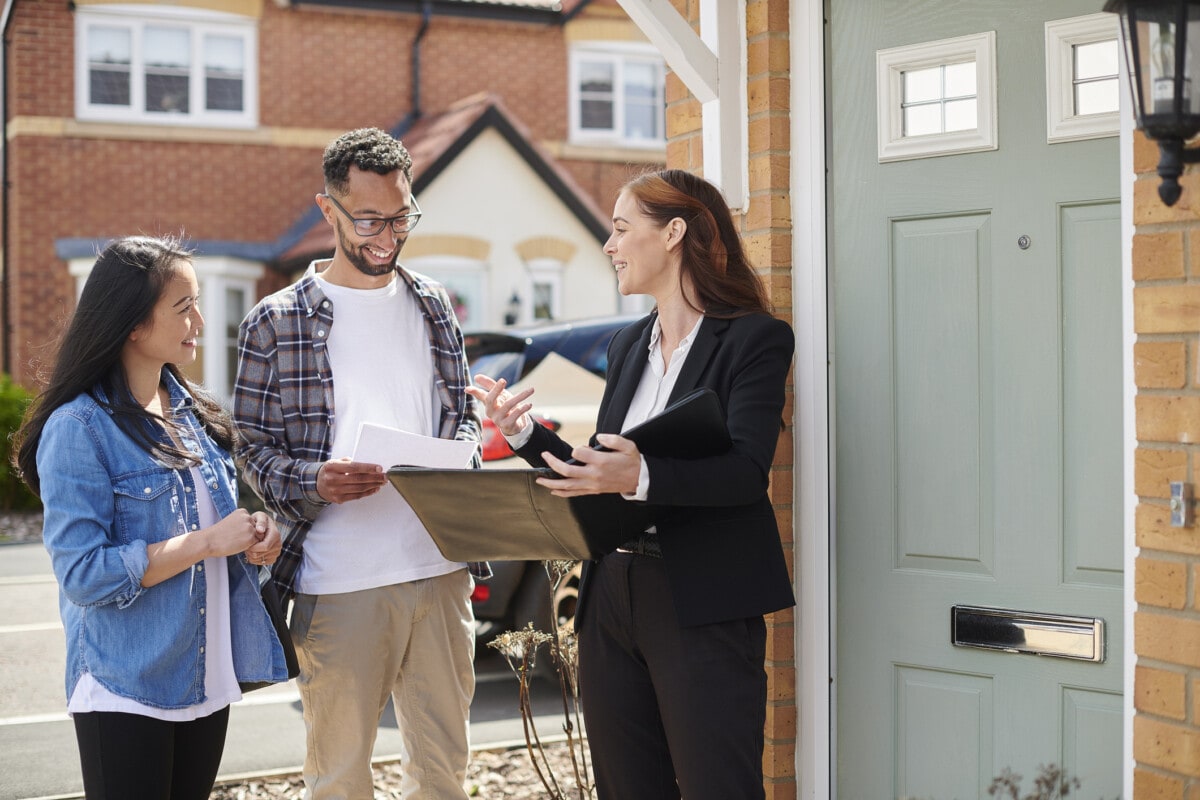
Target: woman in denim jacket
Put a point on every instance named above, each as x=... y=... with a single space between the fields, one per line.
x=156 y=565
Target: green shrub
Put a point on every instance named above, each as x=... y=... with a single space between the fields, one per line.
x=14 y=494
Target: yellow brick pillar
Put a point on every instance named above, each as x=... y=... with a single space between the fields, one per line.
x=766 y=230
x=1166 y=305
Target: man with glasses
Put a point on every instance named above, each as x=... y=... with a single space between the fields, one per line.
x=377 y=610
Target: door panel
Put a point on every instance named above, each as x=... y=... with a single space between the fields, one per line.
x=977 y=422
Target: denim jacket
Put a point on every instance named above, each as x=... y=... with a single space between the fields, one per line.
x=105 y=500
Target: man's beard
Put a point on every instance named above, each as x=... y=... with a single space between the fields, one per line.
x=360 y=262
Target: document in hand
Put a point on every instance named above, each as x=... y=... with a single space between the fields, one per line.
x=504 y=515
x=379 y=444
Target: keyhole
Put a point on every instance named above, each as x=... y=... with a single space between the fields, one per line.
x=1023 y=242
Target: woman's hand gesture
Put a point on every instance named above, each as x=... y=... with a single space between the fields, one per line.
x=509 y=412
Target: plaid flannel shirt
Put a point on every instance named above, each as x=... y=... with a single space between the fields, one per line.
x=283 y=401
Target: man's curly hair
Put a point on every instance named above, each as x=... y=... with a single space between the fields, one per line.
x=369 y=149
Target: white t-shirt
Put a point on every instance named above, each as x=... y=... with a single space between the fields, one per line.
x=220 y=680
x=383 y=373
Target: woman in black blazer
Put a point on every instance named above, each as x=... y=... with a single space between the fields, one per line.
x=671 y=633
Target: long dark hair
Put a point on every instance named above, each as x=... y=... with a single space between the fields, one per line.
x=713 y=258
x=121 y=292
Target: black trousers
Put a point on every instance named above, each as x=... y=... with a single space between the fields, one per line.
x=126 y=756
x=668 y=710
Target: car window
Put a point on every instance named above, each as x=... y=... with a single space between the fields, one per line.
x=499 y=365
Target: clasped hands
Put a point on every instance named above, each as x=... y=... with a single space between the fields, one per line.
x=590 y=471
x=268 y=545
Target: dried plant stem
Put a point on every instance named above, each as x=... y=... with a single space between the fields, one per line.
x=531 y=737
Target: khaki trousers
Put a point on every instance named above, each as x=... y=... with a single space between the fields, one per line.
x=413 y=641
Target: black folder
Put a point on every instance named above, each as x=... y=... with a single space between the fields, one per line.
x=504 y=515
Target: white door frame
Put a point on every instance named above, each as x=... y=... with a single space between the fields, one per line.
x=812 y=458
x=814 y=524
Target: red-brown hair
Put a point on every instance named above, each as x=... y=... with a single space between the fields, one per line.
x=713 y=258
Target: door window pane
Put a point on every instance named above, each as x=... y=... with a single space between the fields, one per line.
x=922 y=120
x=961 y=115
x=1095 y=81
x=923 y=85
x=940 y=99
x=960 y=79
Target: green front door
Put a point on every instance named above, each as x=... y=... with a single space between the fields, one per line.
x=978 y=408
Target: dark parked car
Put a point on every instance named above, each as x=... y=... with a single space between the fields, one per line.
x=573 y=357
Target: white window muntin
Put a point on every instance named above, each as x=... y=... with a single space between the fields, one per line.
x=890 y=68
x=1064 y=40
x=194 y=62
x=636 y=120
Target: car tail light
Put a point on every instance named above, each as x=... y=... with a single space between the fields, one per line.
x=481 y=594
x=495 y=446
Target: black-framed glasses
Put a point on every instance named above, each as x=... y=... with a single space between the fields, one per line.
x=371 y=226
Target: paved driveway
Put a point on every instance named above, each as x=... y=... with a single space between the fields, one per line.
x=38 y=758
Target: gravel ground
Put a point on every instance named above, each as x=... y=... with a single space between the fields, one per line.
x=492 y=775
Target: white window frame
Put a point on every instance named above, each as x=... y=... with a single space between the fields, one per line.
x=890 y=66
x=546 y=272
x=1062 y=36
x=215 y=275
x=198 y=22
x=618 y=54
x=445 y=268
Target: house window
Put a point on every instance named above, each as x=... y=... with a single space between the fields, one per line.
x=546 y=288
x=617 y=95
x=466 y=281
x=165 y=65
x=236 y=307
x=937 y=98
x=1082 y=85
x=227 y=291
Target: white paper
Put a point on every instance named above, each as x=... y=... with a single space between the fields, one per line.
x=389 y=447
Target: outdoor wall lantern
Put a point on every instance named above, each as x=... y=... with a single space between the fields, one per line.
x=513 y=313
x=1164 y=76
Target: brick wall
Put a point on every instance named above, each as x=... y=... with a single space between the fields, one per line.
x=1166 y=303
x=766 y=230
x=321 y=71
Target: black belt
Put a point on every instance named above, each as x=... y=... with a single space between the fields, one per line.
x=644 y=545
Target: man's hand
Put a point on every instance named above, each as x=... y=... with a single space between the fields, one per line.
x=341 y=480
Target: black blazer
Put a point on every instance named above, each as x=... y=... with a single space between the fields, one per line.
x=720 y=542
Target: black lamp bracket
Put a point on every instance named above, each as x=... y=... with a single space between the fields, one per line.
x=1172 y=156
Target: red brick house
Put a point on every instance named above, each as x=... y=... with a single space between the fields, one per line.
x=208 y=118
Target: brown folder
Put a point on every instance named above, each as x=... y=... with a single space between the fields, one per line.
x=504 y=515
